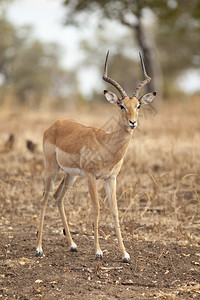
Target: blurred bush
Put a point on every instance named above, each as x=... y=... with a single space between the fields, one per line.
x=30 y=70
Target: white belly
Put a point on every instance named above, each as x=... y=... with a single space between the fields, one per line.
x=73 y=171
x=69 y=163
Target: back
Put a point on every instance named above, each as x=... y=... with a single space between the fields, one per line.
x=70 y=135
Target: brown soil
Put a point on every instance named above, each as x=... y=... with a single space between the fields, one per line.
x=159 y=213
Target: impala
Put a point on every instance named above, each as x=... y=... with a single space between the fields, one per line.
x=82 y=150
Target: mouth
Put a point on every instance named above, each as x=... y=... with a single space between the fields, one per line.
x=132 y=125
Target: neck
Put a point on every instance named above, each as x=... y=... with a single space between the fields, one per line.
x=122 y=131
x=120 y=139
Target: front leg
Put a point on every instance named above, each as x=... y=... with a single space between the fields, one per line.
x=110 y=185
x=95 y=202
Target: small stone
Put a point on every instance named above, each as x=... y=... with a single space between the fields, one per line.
x=38 y=281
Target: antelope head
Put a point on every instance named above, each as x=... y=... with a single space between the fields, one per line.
x=129 y=105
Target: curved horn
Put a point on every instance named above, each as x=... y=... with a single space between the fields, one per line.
x=145 y=81
x=111 y=81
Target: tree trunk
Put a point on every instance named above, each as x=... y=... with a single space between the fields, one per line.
x=151 y=61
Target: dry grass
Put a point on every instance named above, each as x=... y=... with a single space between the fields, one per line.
x=158 y=186
x=158 y=195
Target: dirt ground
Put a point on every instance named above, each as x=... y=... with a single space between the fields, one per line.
x=158 y=191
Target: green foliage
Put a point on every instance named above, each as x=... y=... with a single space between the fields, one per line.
x=179 y=35
x=34 y=69
x=29 y=69
x=176 y=30
x=11 y=44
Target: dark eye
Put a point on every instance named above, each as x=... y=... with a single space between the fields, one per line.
x=122 y=106
x=138 y=106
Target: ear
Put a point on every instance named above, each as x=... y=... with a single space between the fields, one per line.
x=147 y=98
x=111 y=97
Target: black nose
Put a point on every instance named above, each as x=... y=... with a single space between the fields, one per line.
x=133 y=123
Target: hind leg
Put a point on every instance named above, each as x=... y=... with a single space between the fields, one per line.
x=67 y=181
x=51 y=171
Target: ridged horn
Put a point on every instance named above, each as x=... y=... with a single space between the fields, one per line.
x=145 y=81
x=112 y=81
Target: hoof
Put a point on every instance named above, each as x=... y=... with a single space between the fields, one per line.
x=38 y=252
x=73 y=248
x=126 y=258
x=99 y=255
